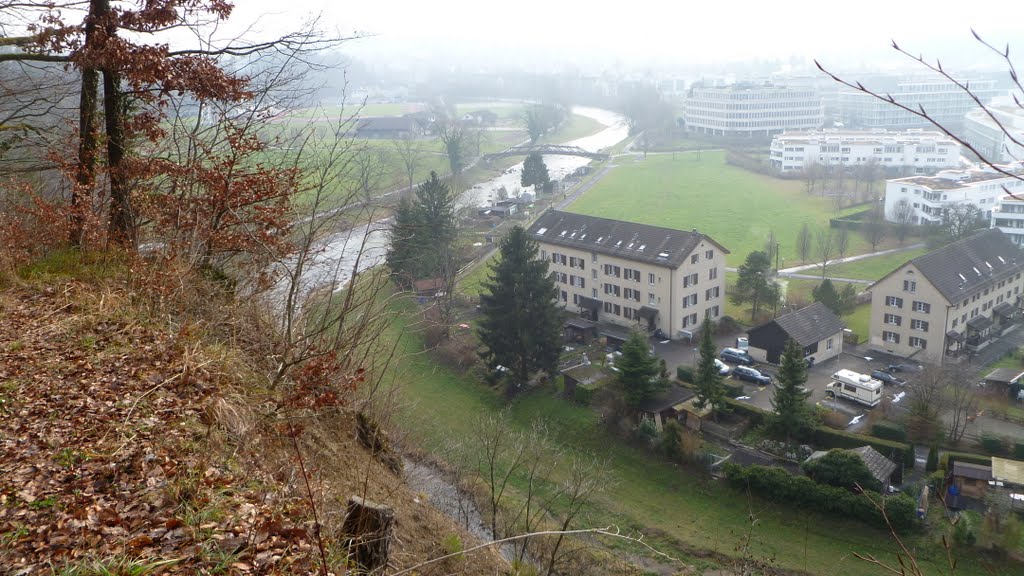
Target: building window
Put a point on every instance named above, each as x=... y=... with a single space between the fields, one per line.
x=713 y=273
x=594 y=292
x=650 y=278
x=916 y=342
x=565 y=296
x=894 y=302
x=694 y=259
x=627 y=313
x=593 y=273
x=575 y=298
x=636 y=275
x=617 y=310
x=919 y=325
x=650 y=298
x=922 y=307
x=708 y=255
x=828 y=344
x=715 y=311
x=910 y=286
x=543 y=254
x=593 y=256
x=608 y=307
x=892 y=319
x=891 y=337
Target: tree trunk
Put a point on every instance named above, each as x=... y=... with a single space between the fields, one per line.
x=81 y=193
x=121 y=225
x=367 y=532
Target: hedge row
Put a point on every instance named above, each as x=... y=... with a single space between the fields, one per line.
x=947 y=459
x=889 y=431
x=757 y=416
x=685 y=376
x=899 y=452
x=684 y=373
x=776 y=484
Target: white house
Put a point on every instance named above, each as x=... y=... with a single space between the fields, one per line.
x=991 y=140
x=929 y=196
x=1008 y=216
x=917 y=150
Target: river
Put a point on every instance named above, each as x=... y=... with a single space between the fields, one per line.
x=368 y=243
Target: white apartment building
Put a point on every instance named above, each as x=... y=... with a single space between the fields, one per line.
x=941 y=99
x=991 y=141
x=915 y=150
x=929 y=196
x=1008 y=216
x=632 y=275
x=752 y=110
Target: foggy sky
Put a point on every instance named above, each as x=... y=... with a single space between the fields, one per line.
x=552 y=33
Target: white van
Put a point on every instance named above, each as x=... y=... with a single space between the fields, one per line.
x=855 y=386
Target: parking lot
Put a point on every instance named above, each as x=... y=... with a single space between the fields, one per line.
x=818 y=376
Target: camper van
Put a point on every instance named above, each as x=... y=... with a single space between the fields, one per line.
x=855 y=386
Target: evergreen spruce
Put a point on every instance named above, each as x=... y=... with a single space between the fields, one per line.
x=520 y=327
x=793 y=416
x=638 y=371
x=423 y=234
x=826 y=294
x=933 y=459
x=710 y=391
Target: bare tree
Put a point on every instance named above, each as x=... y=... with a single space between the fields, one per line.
x=410 y=156
x=803 y=243
x=843 y=241
x=457 y=143
x=875 y=227
x=369 y=169
x=825 y=248
x=903 y=215
x=927 y=401
x=501 y=451
x=771 y=246
x=961 y=396
x=812 y=175
x=587 y=477
x=960 y=220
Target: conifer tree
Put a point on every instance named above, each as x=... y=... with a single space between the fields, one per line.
x=710 y=391
x=789 y=399
x=520 y=327
x=423 y=233
x=638 y=371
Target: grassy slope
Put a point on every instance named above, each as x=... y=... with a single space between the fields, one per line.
x=669 y=504
x=876 y=267
x=735 y=207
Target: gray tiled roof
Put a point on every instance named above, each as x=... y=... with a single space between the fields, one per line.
x=629 y=240
x=967 y=266
x=667 y=398
x=810 y=324
x=880 y=466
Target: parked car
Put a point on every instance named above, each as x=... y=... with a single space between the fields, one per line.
x=736 y=356
x=904 y=368
x=751 y=375
x=723 y=368
x=888 y=378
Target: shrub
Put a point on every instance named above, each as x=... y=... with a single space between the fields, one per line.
x=889 y=431
x=937 y=482
x=678 y=443
x=728 y=325
x=1018 y=450
x=933 y=459
x=684 y=373
x=841 y=468
x=778 y=485
x=732 y=389
x=992 y=444
x=963 y=531
x=756 y=415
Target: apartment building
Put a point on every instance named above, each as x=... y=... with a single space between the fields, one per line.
x=915 y=150
x=929 y=196
x=995 y=140
x=633 y=275
x=1008 y=217
x=950 y=302
x=752 y=109
x=942 y=99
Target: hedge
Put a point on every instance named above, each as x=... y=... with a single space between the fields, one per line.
x=757 y=416
x=889 y=431
x=732 y=389
x=947 y=459
x=900 y=452
x=1018 y=450
x=776 y=484
x=993 y=444
x=684 y=373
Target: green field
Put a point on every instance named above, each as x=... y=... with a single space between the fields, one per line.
x=875 y=267
x=735 y=207
x=676 y=509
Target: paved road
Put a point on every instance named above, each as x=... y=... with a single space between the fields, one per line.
x=818 y=277
x=805 y=267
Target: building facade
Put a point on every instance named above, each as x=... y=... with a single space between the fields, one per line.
x=1008 y=217
x=950 y=302
x=633 y=275
x=994 y=142
x=752 y=110
x=918 y=151
x=927 y=197
x=941 y=99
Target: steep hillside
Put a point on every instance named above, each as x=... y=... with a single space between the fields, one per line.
x=135 y=438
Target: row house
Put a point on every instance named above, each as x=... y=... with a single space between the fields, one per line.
x=951 y=301
x=633 y=275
